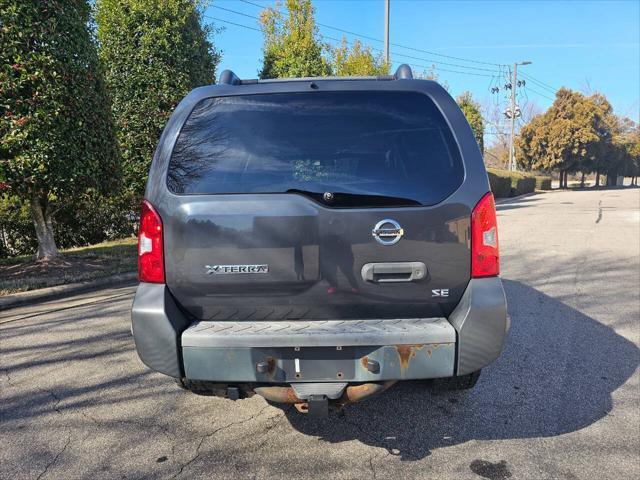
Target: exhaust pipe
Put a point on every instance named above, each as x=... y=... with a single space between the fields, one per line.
x=352 y=394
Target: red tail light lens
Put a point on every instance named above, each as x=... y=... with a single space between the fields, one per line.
x=485 y=257
x=150 y=253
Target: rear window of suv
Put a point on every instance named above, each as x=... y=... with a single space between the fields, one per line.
x=364 y=148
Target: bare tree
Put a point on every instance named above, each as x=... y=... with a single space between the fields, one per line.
x=498 y=130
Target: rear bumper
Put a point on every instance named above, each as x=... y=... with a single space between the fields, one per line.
x=321 y=351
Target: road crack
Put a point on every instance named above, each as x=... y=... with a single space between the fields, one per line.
x=6 y=374
x=57 y=409
x=55 y=459
x=211 y=434
x=57 y=399
x=278 y=418
x=599 y=212
x=372 y=467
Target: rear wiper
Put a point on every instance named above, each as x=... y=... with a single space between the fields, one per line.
x=354 y=200
x=302 y=192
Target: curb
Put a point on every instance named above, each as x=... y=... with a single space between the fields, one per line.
x=516 y=198
x=49 y=293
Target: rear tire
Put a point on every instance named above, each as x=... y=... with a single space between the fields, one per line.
x=181 y=383
x=212 y=389
x=463 y=382
x=206 y=389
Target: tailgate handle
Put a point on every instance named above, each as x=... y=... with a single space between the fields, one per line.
x=392 y=272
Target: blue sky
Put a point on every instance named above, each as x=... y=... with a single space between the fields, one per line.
x=583 y=45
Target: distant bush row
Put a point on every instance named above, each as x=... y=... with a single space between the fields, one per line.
x=509 y=184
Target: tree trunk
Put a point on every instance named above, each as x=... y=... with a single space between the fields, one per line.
x=43 y=224
x=582 y=180
x=560 y=179
x=597 y=179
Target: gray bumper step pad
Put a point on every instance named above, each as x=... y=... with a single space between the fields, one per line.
x=320 y=333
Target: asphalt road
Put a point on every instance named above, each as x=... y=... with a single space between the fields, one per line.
x=563 y=401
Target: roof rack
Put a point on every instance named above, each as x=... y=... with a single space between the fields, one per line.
x=403 y=72
x=227 y=77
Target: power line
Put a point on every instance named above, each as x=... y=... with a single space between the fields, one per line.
x=235 y=11
x=538 y=93
x=451 y=71
x=440 y=69
x=231 y=23
x=396 y=54
x=441 y=63
x=373 y=48
x=540 y=83
x=428 y=52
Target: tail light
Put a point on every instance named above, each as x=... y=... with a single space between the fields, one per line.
x=485 y=257
x=150 y=253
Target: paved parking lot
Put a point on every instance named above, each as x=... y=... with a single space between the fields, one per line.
x=563 y=401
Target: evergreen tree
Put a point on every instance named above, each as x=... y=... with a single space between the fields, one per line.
x=56 y=131
x=472 y=112
x=154 y=53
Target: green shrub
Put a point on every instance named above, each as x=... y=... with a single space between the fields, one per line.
x=509 y=184
x=522 y=183
x=543 y=183
x=500 y=182
x=17 y=235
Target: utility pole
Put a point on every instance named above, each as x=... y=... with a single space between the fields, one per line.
x=386 y=31
x=514 y=85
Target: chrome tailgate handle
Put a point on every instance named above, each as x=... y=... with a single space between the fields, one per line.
x=392 y=272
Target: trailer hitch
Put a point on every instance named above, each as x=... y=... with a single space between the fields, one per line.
x=319 y=404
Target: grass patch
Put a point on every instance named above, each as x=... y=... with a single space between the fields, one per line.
x=19 y=274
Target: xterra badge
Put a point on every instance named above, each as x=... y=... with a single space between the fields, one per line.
x=230 y=269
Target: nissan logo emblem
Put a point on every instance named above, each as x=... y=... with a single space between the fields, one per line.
x=387 y=232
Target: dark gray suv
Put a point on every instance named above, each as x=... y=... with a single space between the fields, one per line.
x=316 y=240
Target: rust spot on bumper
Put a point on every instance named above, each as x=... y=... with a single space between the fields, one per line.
x=406 y=353
x=365 y=363
x=271 y=367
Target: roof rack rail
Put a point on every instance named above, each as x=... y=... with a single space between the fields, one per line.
x=403 y=72
x=227 y=77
